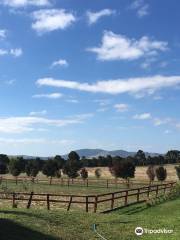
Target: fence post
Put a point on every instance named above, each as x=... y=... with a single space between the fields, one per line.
x=157 y=190
x=107 y=183
x=13 y=203
x=112 y=201
x=69 y=205
x=48 y=203
x=149 y=190
x=138 y=193
x=87 y=183
x=30 y=200
x=126 y=198
x=87 y=203
x=95 y=203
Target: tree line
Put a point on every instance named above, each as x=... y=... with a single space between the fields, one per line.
x=74 y=166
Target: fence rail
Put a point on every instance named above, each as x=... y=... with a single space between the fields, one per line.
x=110 y=201
x=104 y=183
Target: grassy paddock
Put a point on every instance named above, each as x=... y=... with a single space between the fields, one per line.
x=20 y=224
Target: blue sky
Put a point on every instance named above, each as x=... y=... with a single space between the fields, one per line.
x=89 y=74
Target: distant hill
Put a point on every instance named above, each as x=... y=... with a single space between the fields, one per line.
x=90 y=153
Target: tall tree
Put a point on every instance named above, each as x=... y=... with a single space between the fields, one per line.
x=161 y=173
x=140 y=157
x=32 y=168
x=50 y=169
x=124 y=169
x=151 y=173
x=72 y=165
x=15 y=167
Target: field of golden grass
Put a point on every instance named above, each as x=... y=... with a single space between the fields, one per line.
x=140 y=172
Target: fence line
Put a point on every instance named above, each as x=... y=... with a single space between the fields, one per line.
x=130 y=196
x=105 y=183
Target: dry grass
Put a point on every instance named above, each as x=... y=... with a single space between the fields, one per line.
x=140 y=172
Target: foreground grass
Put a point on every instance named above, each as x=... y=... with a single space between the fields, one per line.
x=20 y=224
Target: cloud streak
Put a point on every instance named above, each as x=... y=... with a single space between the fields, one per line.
x=93 y=17
x=32 y=123
x=118 y=86
x=50 y=95
x=25 y=3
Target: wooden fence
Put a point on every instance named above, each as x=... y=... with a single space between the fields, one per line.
x=104 y=183
x=100 y=202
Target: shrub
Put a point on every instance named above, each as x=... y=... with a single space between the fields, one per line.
x=97 y=173
x=161 y=173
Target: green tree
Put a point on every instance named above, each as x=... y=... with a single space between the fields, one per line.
x=151 y=173
x=140 y=157
x=84 y=173
x=124 y=169
x=32 y=168
x=50 y=169
x=73 y=165
x=161 y=173
x=3 y=170
x=15 y=167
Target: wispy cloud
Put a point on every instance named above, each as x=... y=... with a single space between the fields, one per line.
x=32 y=123
x=141 y=8
x=60 y=62
x=15 y=52
x=33 y=113
x=16 y=141
x=3 y=34
x=50 y=95
x=142 y=116
x=47 y=20
x=118 y=86
x=93 y=17
x=119 y=47
x=121 y=107
x=25 y=3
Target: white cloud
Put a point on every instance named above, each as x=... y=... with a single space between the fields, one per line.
x=60 y=62
x=3 y=52
x=16 y=141
x=142 y=116
x=72 y=101
x=15 y=52
x=118 y=86
x=159 y=121
x=50 y=96
x=31 y=123
x=93 y=17
x=43 y=112
x=47 y=20
x=119 y=47
x=142 y=8
x=25 y=3
x=3 y=34
x=121 y=107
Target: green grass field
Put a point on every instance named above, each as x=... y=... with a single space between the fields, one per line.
x=21 y=224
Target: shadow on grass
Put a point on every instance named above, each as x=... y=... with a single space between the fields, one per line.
x=32 y=215
x=10 y=230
